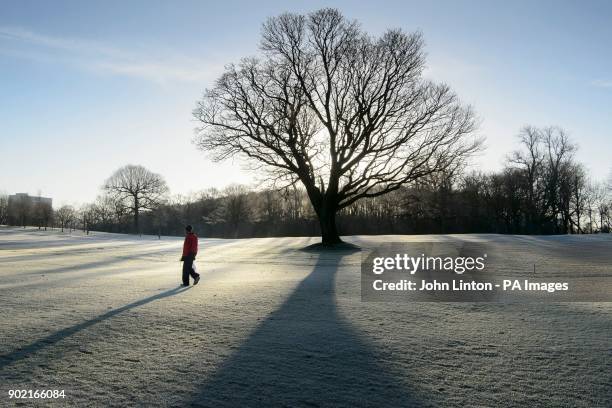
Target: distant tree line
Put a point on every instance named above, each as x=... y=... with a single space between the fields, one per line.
x=541 y=189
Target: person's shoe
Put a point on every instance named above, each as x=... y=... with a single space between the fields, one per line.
x=183 y=285
x=196 y=280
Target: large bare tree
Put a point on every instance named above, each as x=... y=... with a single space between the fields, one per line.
x=345 y=113
x=136 y=188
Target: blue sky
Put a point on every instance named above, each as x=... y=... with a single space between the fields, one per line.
x=86 y=87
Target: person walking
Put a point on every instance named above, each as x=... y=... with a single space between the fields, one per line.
x=190 y=250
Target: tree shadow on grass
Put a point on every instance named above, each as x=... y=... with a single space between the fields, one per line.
x=52 y=339
x=306 y=354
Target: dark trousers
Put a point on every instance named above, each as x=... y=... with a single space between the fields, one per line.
x=188 y=269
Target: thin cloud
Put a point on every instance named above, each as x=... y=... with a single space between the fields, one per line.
x=105 y=59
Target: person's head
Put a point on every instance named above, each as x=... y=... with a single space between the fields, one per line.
x=188 y=229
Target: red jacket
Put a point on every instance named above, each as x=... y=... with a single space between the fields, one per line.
x=190 y=246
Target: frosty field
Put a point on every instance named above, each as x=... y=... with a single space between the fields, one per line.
x=103 y=318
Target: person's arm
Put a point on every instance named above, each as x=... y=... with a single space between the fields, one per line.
x=185 y=243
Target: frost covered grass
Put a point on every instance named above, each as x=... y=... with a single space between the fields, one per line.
x=102 y=317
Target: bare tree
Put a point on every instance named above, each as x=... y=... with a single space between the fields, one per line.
x=86 y=216
x=295 y=203
x=3 y=208
x=530 y=160
x=65 y=216
x=104 y=211
x=559 y=176
x=579 y=196
x=595 y=196
x=270 y=207
x=136 y=189
x=346 y=114
x=47 y=215
x=604 y=206
x=236 y=207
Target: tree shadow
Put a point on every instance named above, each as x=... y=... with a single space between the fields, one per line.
x=52 y=339
x=306 y=354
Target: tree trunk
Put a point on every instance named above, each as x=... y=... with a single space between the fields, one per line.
x=327 y=220
x=136 y=222
x=136 y=213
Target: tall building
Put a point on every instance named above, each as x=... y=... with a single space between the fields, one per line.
x=24 y=209
x=31 y=200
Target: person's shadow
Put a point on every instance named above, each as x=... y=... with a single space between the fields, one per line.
x=306 y=354
x=50 y=340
